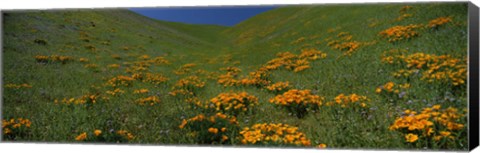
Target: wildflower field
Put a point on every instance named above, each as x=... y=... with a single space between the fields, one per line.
x=376 y=76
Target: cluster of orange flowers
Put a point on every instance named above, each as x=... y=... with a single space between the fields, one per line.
x=83 y=60
x=283 y=59
x=273 y=134
x=228 y=79
x=150 y=78
x=294 y=62
x=438 y=22
x=17 y=86
x=184 y=69
x=212 y=119
x=349 y=47
x=190 y=82
x=115 y=92
x=299 y=40
x=137 y=67
x=114 y=66
x=53 y=58
x=404 y=72
x=287 y=60
x=144 y=63
x=152 y=100
x=187 y=86
x=405 y=8
x=432 y=123
x=81 y=137
x=196 y=102
x=390 y=87
x=234 y=102
x=300 y=65
x=125 y=134
x=207 y=74
x=403 y=13
x=311 y=54
x=253 y=81
x=85 y=99
x=435 y=67
x=211 y=129
x=176 y=92
x=295 y=96
x=344 y=43
x=349 y=100
x=140 y=91
x=232 y=70
x=279 y=86
x=398 y=33
x=98 y=135
x=403 y=16
x=159 y=60
x=258 y=78
x=14 y=127
x=137 y=76
x=392 y=56
x=120 y=81
x=322 y=145
x=144 y=57
x=298 y=102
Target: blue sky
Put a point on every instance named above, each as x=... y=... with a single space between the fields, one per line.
x=226 y=16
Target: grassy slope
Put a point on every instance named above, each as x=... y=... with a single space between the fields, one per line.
x=62 y=31
x=363 y=69
x=252 y=43
x=274 y=31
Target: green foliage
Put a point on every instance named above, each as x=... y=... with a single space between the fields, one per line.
x=122 y=37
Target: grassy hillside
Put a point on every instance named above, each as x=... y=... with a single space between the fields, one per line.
x=150 y=78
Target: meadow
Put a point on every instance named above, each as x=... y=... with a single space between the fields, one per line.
x=362 y=76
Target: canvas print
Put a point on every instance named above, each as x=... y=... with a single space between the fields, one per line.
x=343 y=76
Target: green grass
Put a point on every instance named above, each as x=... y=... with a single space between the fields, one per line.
x=247 y=45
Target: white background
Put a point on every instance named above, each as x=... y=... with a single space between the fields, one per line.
x=87 y=148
